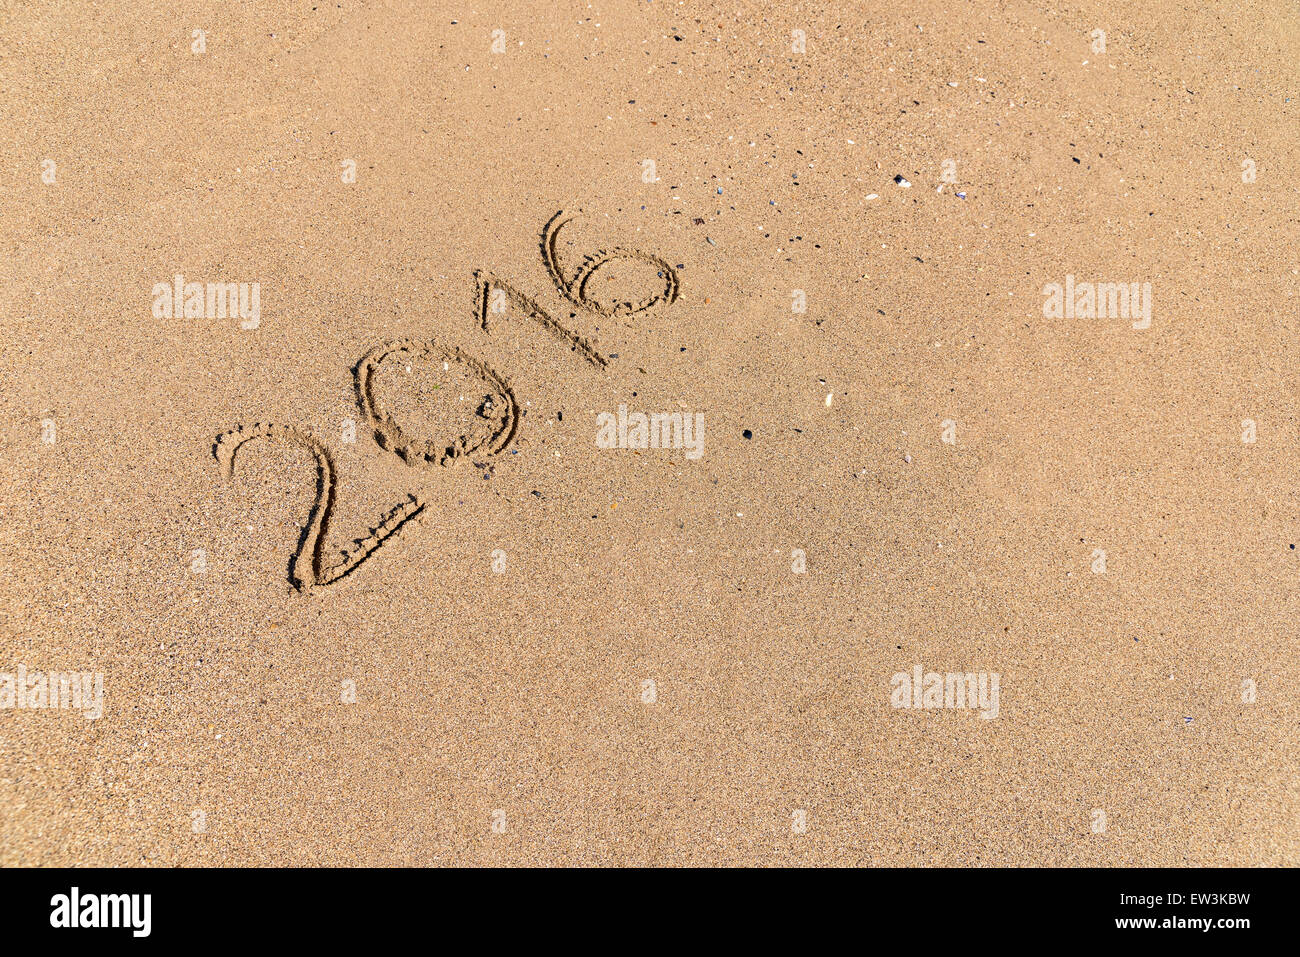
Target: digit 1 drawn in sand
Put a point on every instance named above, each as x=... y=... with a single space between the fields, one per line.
x=485 y=281
x=308 y=568
x=575 y=289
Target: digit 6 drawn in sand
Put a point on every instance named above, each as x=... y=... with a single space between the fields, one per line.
x=489 y=431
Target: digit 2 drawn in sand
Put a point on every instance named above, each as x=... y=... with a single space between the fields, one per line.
x=308 y=568
x=488 y=430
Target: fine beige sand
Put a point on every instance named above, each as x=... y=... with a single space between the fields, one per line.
x=545 y=651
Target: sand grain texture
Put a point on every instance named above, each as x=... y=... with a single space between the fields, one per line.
x=522 y=691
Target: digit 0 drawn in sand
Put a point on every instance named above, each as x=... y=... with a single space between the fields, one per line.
x=495 y=418
x=308 y=568
x=484 y=416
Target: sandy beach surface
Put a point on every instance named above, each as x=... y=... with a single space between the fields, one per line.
x=327 y=333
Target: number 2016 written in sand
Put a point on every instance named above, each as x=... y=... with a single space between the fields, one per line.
x=488 y=430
